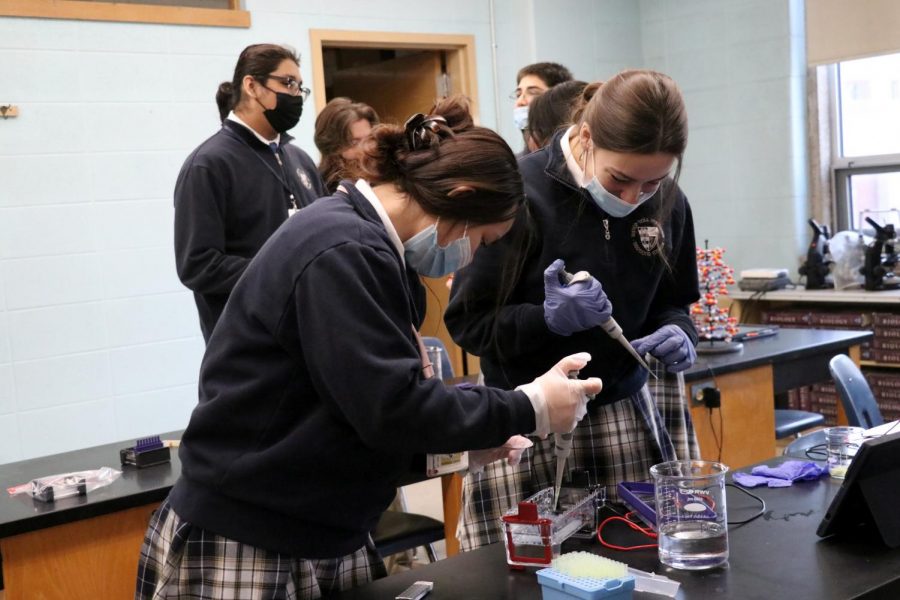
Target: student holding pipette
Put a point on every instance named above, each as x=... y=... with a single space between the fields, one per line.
x=603 y=199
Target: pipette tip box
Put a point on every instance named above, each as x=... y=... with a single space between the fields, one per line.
x=558 y=586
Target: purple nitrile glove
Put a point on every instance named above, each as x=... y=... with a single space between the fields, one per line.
x=792 y=470
x=747 y=480
x=574 y=307
x=781 y=475
x=670 y=345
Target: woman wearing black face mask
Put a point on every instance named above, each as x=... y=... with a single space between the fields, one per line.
x=241 y=184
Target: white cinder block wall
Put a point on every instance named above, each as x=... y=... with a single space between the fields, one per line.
x=99 y=341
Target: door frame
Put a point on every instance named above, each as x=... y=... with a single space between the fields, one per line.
x=460 y=50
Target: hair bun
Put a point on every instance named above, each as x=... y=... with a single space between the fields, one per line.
x=455 y=110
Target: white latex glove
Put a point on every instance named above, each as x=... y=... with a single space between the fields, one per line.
x=559 y=402
x=512 y=451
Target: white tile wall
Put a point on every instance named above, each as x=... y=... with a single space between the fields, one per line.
x=159 y=365
x=139 y=272
x=169 y=410
x=46 y=231
x=7 y=402
x=76 y=425
x=35 y=179
x=5 y=352
x=154 y=318
x=62 y=380
x=56 y=330
x=10 y=449
x=28 y=134
x=51 y=280
x=95 y=326
x=133 y=224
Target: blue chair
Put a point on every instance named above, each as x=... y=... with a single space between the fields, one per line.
x=399 y=530
x=856 y=395
x=857 y=399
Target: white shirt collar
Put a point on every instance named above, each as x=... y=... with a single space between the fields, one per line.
x=574 y=167
x=233 y=117
x=366 y=190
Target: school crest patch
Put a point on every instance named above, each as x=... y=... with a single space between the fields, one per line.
x=647 y=236
x=304 y=178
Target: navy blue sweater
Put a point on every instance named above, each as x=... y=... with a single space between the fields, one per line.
x=230 y=196
x=312 y=401
x=569 y=225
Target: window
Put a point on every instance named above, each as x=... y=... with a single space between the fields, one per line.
x=866 y=129
x=223 y=13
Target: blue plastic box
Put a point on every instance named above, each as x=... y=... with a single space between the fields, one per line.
x=556 y=586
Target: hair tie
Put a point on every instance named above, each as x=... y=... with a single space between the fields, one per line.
x=417 y=127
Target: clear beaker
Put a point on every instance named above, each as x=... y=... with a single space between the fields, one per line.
x=842 y=444
x=691 y=518
x=435 y=357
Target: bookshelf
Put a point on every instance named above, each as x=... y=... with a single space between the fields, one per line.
x=878 y=312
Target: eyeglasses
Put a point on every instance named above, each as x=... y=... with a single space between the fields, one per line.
x=530 y=92
x=292 y=85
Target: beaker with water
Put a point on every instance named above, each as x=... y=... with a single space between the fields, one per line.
x=691 y=516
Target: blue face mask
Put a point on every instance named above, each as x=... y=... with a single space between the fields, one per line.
x=428 y=258
x=520 y=117
x=607 y=201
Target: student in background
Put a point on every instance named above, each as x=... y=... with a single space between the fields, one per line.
x=241 y=184
x=552 y=111
x=532 y=81
x=341 y=128
x=314 y=395
x=603 y=201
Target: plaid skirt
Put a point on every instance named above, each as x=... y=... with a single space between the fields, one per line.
x=181 y=560
x=616 y=442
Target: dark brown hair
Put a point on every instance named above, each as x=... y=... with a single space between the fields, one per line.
x=259 y=61
x=456 y=153
x=552 y=110
x=550 y=73
x=333 y=137
x=639 y=112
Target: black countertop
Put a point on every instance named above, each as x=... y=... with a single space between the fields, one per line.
x=784 y=348
x=136 y=487
x=777 y=556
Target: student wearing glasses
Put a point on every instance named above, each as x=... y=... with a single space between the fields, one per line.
x=532 y=81
x=341 y=128
x=242 y=183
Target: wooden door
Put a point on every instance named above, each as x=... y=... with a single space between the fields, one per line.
x=395 y=88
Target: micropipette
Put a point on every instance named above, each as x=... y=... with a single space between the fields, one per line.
x=609 y=326
x=562 y=448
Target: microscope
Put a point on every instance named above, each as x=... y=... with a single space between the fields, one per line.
x=818 y=259
x=881 y=257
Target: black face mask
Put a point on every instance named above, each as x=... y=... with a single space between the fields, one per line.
x=286 y=113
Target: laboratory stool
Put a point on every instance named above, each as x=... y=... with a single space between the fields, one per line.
x=400 y=531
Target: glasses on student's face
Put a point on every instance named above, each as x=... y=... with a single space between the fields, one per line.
x=294 y=87
x=531 y=92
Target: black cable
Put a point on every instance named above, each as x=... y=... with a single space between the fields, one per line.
x=720 y=442
x=817 y=452
x=762 y=503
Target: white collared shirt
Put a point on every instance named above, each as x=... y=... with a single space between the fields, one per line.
x=574 y=167
x=366 y=190
x=233 y=117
